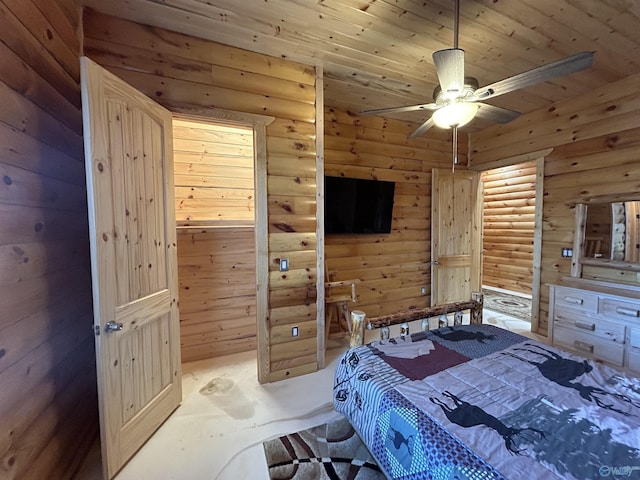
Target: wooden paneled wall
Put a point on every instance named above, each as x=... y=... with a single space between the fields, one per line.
x=393 y=268
x=217 y=274
x=213 y=173
x=596 y=140
x=181 y=72
x=607 y=164
x=48 y=406
x=509 y=211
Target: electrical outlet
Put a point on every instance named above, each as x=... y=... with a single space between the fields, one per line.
x=567 y=252
x=284 y=264
x=294 y=331
x=423 y=290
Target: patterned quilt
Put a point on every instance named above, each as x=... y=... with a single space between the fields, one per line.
x=480 y=402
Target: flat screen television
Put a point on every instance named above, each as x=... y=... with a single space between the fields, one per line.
x=354 y=205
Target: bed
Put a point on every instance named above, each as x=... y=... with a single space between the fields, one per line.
x=480 y=402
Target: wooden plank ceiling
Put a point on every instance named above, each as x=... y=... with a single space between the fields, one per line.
x=377 y=53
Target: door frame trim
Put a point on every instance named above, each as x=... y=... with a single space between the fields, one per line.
x=537 y=246
x=320 y=257
x=259 y=124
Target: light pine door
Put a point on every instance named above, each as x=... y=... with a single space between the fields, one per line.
x=129 y=164
x=456 y=235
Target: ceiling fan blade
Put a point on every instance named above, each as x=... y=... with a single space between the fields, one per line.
x=408 y=108
x=560 y=68
x=422 y=128
x=450 y=69
x=496 y=114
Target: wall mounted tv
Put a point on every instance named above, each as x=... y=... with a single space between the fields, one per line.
x=353 y=205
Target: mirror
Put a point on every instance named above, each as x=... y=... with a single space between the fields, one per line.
x=612 y=232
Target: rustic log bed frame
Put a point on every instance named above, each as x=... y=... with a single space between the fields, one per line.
x=474 y=306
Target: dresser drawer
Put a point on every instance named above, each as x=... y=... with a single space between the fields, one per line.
x=600 y=328
x=619 y=309
x=633 y=359
x=576 y=299
x=589 y=345
x=634 y=338
x=633 y=350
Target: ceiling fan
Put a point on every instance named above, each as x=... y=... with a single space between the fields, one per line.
x=458 y=99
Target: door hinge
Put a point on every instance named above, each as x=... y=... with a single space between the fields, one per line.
x=96 y=330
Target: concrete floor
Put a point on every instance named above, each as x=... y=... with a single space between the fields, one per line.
x=218 y=430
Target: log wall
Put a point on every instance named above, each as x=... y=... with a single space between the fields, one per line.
x=48 y=406
x=509 y=211
x=393 y=268
x=181 y=72
x=595 y=139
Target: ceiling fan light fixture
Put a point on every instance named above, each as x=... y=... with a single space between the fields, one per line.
x=455 y=114
x=456 y=97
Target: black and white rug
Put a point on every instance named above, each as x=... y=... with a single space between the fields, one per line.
x=330 y=451
x=512 y=305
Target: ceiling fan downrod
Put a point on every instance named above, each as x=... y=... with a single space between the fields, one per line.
x=456 y=21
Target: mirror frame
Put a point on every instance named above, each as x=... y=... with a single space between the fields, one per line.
x=578 y=259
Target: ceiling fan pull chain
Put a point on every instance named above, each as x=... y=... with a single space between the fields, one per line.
x=455 y=149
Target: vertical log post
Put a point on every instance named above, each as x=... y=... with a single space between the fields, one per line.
x=475 y=313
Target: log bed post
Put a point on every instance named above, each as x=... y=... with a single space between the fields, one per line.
x=474 y=306
x=475 y=313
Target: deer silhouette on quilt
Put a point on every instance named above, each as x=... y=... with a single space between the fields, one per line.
x=399 y=439
x=467 y=415
x=564 y=371
x=460 y=335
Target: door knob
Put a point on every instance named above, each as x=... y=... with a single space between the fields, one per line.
x=112 y=326
x=435 y=262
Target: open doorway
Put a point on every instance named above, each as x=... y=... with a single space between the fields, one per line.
x=215 y=215
x=509 y=230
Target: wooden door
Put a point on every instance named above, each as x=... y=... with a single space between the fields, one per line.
x=129 y=164
x=456 y=235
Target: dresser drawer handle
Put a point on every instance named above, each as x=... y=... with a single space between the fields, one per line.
x=629 y=312
x=583 y=346
x=585 y=326
x=574 y=300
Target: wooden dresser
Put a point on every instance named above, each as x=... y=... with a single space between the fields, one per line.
x=598 y=322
